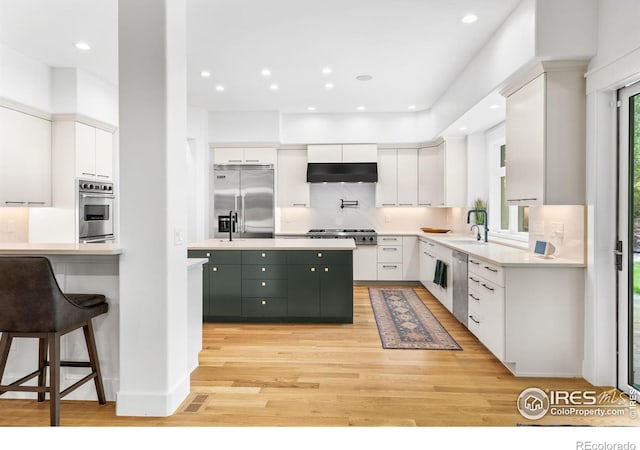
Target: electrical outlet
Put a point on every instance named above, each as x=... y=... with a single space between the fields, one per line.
x=557 y=228
x=177 y=237
x=538 y=227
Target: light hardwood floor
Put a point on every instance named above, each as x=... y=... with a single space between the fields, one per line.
x=332 y=375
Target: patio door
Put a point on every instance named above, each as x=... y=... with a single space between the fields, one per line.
x=628 y=244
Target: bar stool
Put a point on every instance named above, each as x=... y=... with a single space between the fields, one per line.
x=33 y=306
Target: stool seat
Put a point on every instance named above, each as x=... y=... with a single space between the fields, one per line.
x=32 y=305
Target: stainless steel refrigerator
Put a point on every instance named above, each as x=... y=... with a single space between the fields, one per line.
x=243 y=201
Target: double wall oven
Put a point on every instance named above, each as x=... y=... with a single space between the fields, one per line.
x=95 y=211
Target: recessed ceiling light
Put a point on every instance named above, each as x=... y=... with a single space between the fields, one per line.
x=265 y=72
x=462 y=128
x=411 y=107
x=274 y=87
x=219 y=88
x=361 y=108
x=364 y=77
x=205 y=74
x=326 y=70
x=469 y=18
x=311 y=108
x=494 y=107
x=328 y=86
x=81 y=45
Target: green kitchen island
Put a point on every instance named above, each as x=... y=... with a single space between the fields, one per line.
x=276 y=280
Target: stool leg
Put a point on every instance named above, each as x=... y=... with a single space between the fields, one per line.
x=42 y=358
x=5 y=345
x=54 y=377
x=89 y=337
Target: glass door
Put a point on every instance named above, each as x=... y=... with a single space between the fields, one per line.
x=628 y=245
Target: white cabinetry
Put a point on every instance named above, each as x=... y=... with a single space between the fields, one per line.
x=545 y=136
x=390 y=258
x=410 y=258
x=94 y=152
x=244 y=155
x=442 y=173
x=25 y=159
x=365 y=263
x=486 y=305
x=338 y=153
x=397 y=177
x=293 y=189
x=430 y=253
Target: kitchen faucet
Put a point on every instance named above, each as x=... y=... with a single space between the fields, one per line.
x=486 y=221
x=475 y=225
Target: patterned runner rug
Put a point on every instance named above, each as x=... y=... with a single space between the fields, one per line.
x=405 y=322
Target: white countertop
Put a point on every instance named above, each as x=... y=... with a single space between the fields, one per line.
x=274 y=244
x=502 y=255
x=59 y=249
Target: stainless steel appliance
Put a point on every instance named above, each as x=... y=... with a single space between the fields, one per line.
x=361 y=236
x=95 y=211
x=460 y=286
x=243 y=201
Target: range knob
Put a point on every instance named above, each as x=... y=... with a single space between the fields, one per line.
x=91 y=186
x=109 y=188
x=84 y=185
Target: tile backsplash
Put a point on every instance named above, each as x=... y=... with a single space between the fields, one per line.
x=562 y=225
x=14 y=225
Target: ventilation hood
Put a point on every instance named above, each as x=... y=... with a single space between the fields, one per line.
x=352 y=172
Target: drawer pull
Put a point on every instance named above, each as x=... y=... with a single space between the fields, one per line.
x=319 y=255
x=313 y=269
x=388 y=204
x=476 y=321
x=474 y=297
x=474 y=280
x=491 y=269
x=487 y=287
x=389 y=249
x=215 y=269
x=431 y=244
x=474 y=262
x=264 y=302
x=389 y=239
x=208 y=255
x=299 y=204
x=389 y=267
x=326 y=269
x=264 y=269
x=264 y=283
x=264 y=255
x=253 y=160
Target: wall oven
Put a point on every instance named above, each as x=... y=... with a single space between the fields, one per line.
x=95 y=211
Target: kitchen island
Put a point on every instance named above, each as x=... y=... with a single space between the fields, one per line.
x=276 y=280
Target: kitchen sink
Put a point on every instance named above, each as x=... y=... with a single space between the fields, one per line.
x=466 y=242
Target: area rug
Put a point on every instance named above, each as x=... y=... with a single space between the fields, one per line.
x=405 y=322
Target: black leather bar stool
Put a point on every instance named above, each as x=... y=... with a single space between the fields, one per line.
x=32 y=305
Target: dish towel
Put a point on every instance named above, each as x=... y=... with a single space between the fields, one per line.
x=440 y=276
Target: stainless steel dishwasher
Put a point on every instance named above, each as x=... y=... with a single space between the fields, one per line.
x=460 y=287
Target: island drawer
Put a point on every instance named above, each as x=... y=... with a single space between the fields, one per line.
x=264 y=271
x=264 y=257
x=321 y=257
x=217 y=256
x=264 y=307
x=264 y=288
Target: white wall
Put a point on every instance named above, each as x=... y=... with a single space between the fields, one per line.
x=477 y=168
x=24 y=79
x=566 y=29
x=248 y=126
x=198 y=174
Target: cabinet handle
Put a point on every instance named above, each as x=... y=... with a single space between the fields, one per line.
x=37 y=203
x=326 y=269
x=299 y=204
x=103 y=176
x=215 y=269
x=429 y=255
x=474 y=262
x=389 y=249
x=264 y=255
x=389 y=267
x=87 y=173
x=491 y=269
x=319 y=255
x=474 y=280
x=407 y=204
x=521 y=199
x=208 y=254
x=487 y=287
x=253 y=160
x=474 y=297
x=424 y=204
x=389 y=239
x=388 y=204
x=14 y=203
x=476 y=321
x=234 y=160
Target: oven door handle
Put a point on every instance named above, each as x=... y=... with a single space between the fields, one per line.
x=111 y=197
x=101 y=239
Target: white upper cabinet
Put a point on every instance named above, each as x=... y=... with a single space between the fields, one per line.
x=246 y=155
x=545 y=136
x=94 y=152
x=293 y=189
x=442 y=173
x=25 y=159
x=338 y=153
x=407 y=177
x=387 y=185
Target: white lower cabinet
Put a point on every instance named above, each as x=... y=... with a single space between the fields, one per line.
x=365 y=263
x=486 y=311
x=390 y=258
x=430 y=253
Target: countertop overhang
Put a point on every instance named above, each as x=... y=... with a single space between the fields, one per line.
x=59 y=249
x=274 y=244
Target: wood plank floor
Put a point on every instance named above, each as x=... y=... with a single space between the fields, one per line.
x=332 y=375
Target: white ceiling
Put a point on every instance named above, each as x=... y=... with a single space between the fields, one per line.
x=413 y=49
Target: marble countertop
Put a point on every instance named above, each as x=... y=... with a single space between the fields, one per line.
x=59 y=249
x=274 y=244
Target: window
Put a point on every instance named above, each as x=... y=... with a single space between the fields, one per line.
x=509 y=221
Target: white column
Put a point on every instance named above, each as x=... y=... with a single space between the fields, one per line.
x=154 y=377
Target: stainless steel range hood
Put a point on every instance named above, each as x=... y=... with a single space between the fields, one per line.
x=362 y=172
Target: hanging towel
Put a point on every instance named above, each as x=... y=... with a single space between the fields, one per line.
x=440 y=276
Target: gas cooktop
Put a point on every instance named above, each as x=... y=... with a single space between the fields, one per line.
x=361 y=236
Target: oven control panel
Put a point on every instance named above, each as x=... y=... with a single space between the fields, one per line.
x=95 y=187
